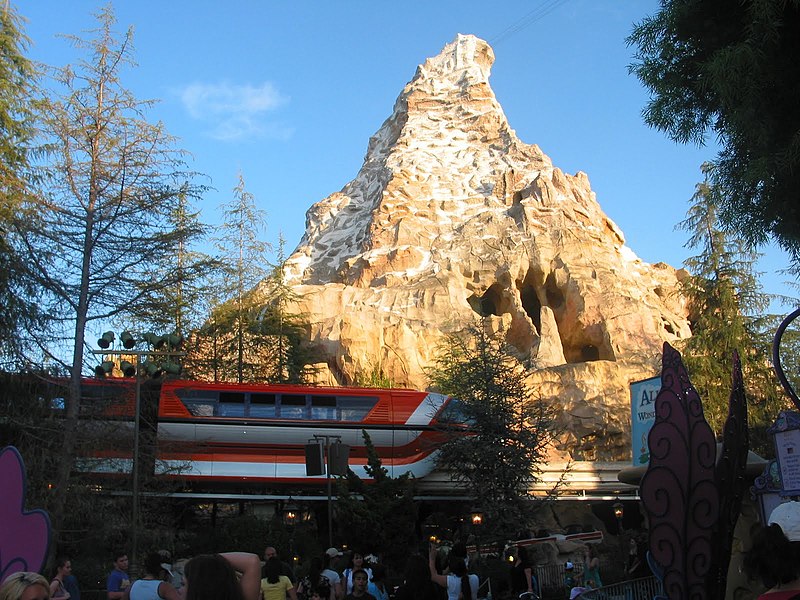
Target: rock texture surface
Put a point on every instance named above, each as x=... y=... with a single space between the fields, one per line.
x=452 y=215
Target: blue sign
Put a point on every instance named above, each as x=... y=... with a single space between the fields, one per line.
x=643 y=415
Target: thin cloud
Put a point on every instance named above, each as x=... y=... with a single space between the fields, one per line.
x=235 y=112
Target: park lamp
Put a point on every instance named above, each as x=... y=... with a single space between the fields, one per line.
x=106 y=340
x=477 y=519
x=155 y=340
x=104 y=369
x=128 y=368
x=151 y=369
x=173 y=340
x=619 y=510
x=127 y=339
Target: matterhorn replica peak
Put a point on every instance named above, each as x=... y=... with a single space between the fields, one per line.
x=451 y=217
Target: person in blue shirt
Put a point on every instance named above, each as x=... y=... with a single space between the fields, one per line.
x=118 y=580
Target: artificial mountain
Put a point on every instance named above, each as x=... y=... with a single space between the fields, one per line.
x=451 y=216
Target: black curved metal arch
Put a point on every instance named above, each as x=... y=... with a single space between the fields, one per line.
x=776 y=359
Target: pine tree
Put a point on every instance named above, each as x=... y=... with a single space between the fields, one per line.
x=726 y=314
x=377 y=514
x=18 y=308
x=509 y=429
x=182 y=306
x=230 y=343
x=291 y=356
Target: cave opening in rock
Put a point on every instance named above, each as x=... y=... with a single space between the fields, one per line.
x=491 y=303
x=530 y=302
x=590 y=352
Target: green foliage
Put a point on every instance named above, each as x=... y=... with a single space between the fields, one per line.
x=234 y=324
x=181 y=306
x=374 y=378
x=379 y=515
x=32 y=409
x=726 y=314
x=291 y=355
x=17 y=80
x=731 y=68
x=253 y=336
x=509 y=429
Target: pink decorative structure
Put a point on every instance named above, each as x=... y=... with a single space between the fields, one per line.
x=24 y=535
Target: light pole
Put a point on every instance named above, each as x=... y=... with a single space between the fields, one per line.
x=334 y=463
x=136 y=370
x=290 y=518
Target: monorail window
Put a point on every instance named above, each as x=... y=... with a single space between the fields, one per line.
x=99 y=397
x=231 y=404
x=355 y=408
x=262 y=405
x=200 y=408
x=208 y=403
x=103 y=392
x=293 y=406
x=200 y=403
x=453 y=412
x=323 y=408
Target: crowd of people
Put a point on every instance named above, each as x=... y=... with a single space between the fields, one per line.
x=335 y=575
x=444 y=574
x=242 y=576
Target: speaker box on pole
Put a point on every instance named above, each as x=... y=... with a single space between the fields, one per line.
x=338 y=455
x=315 y=459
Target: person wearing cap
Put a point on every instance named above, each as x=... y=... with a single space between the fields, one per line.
x=152 y=586
x=170 y=574
x=316 y=581
x=570 y=580
x=331 y=554
x=774 y=556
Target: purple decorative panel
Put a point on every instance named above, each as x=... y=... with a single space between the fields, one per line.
x=731 y=480
x=24 y=536
x=678 y=490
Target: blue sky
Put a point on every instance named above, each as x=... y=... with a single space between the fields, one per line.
x=289 y=92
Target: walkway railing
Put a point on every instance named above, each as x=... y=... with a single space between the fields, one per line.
x=645 y=588
x=551 y=579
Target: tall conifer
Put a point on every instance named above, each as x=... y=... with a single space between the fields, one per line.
x=727 y=313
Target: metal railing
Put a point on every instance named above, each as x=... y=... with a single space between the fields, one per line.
x=645 y=588
x=551 y=579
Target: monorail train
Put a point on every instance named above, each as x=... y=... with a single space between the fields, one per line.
x=251 y=433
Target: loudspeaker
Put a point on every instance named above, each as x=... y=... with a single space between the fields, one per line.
x=315 y=459
x=338 y=454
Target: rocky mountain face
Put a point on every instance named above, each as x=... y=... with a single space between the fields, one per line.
x=452 y=216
